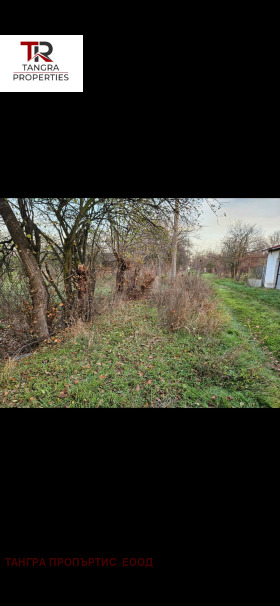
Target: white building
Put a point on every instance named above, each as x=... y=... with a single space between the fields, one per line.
x=272 y=274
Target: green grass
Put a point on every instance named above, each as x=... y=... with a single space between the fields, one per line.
x=128 y=360
x=256 y=308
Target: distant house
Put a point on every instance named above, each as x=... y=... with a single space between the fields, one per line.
x=272 y=274
x=257 y=268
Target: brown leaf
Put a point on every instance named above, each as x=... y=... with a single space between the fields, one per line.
x=138 y=388
x=63 y=394
x=102 y=377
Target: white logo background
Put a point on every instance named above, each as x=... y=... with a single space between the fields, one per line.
x=67 y=54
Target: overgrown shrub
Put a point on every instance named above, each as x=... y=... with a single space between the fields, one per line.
x=13 y=290
x=191 y=304
x=139 y=282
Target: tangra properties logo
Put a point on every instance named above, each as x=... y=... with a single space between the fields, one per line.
x=44 y=55
x=39 y=65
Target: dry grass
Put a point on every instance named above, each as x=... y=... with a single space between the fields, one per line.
x=139 y=283
x=81 y=330
x=7 y=371
x=103 y=305
x=189 y=303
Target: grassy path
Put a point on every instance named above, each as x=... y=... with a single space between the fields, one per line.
x=128 y=360
x=256 y=308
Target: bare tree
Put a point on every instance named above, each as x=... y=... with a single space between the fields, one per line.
x=274 y=239
x=187 y=213
x=37 y=287
x=240 y=241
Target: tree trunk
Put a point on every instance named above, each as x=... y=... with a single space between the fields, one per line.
x=37 y=288
x=120 y=277
x=67 y=269
x=90 y=293
x=122 y=267
x=173 y=271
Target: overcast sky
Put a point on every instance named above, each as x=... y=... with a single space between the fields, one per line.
x=260 y=211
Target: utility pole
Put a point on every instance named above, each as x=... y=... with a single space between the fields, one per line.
x=173 y=271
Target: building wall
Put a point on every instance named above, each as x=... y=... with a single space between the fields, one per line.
x=271 y=269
